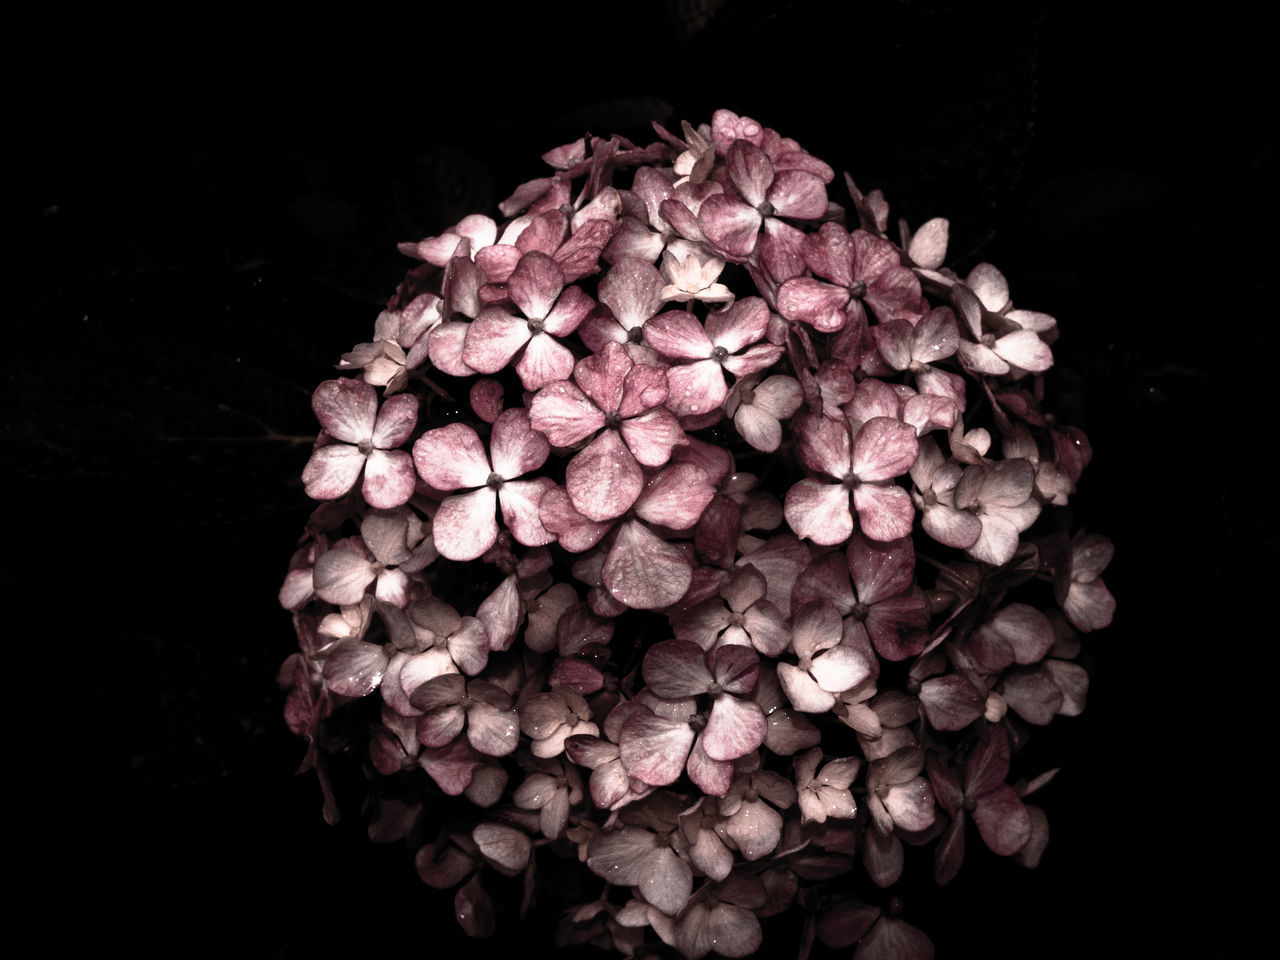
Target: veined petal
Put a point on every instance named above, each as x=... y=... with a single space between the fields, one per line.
x=734 y=729
x=534 y=285
x=516 y=447
x=451 y=458
x=676 y=668
x=730 y=225
x=346 y=409
x=604 y=480
x=396 y=420
x=885 y=511
x=564 y=414
x=388 y=479
x=493 y=339
x=544 y=360
x=819 y=511
x=466 y=525
x=883 y=449
x=653 y=748
x=332 y=471
x=643 y=571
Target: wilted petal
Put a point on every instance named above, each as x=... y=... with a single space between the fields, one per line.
x=676 y=668
x=1002 y=820
x=653 y=748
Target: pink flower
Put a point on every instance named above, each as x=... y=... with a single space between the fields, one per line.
x=453 y=458
x=862 y=464
x=366 y=440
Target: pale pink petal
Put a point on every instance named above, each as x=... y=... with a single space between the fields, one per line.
x=493 y=339
x=396 y=420
x=493 y=731
x=676 y=497
x=466 y=525
x=928 y=246
x=734 y=729
x=346 y=409
x=516 y=447
x=712 y=777
x=521 y=505
x=438 y=726
x=451 y=457
x=342 y=577
x=819 y=511
x=730 y=225
x=353 y=668
x=678 y=335
x=505 y=848
x=332 y=471
x=803 y=691
x=839 y=669
x=388 y=479
x=1025 y=349
x=884 y=448
x=652 y=436
x=535 y=284
x=469 y=646
x=696 y=388
x=544 y=360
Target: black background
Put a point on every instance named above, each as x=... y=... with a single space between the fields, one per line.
x=207 y=218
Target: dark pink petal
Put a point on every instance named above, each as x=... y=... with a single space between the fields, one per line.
x=644 y=572
x=652 y=436
x=884 y=512
x=1002 y=820
x=451 y=457
x=564 y=414
x=388 y=479
x=898 y=627
x=604 y=479
x=735 y=669
x=951 y=702
x=676 y=497
x=821 y=305
x=579 y=256
x=750 y=170
x=346 y=409
x=466 y=525
x=881 y=570
x=782 y=250
x=602 y=376
x=451 y=767
x=730 y=225
x=570 y=310
x=437 y=727
x=535 y=284
x=894 y=939
x=734 y=729
x=1032 y=694
x=653 y=748
x=678 y=335
x=884 y=448
x=332 y=471
x=644 y=388
x=819 y=511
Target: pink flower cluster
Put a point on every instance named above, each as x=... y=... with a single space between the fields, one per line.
x=695 y=534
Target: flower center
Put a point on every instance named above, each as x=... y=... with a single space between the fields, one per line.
x=719 y=353
x=365 y=447
x=535 y=326
x=495 y=481
x=635 y=334
x=612 y=420
x=765 y=209
x=859 y=611
x=857 y=289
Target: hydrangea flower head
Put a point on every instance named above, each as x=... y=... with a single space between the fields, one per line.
x=681 y=533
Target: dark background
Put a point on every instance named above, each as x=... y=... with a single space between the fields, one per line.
x=207 y=218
